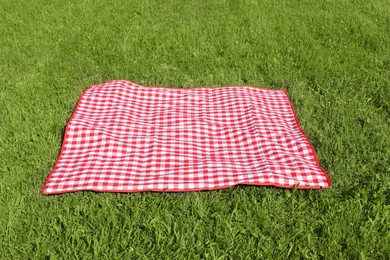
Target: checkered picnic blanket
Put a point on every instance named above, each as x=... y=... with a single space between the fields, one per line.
x=123 y=137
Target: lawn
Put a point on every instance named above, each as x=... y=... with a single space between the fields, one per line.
x=331 y=56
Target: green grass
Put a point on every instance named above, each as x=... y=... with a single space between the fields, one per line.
x=332 y=57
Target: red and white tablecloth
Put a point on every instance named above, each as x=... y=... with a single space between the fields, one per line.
x=123 y=137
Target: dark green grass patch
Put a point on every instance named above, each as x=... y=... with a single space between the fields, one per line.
x=333 y=59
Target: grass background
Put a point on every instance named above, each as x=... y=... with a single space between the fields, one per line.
x=332 y=57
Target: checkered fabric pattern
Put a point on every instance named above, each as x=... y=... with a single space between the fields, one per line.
x=127 y=138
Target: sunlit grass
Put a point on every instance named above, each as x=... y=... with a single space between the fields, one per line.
x=333 y=59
